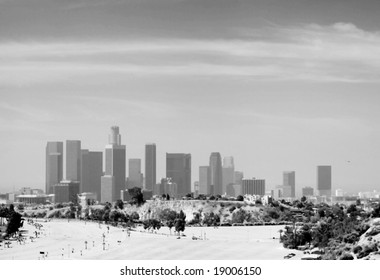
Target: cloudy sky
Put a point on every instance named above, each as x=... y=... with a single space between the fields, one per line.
x=278 y=84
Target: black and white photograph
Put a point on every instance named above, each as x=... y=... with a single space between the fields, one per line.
x=191 y=130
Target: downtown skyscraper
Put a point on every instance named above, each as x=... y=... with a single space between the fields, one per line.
x=289 y=179
x=54 y=165
x=135 y=177
x=150 y=166
x=324 y=180
x=216 y=175
x=178 y=168
x=91 y=172
x=113 y=181
x=204 y=179
x=73 y=158
x=228 y=171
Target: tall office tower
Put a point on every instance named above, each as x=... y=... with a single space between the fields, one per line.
x=324 y=180
x=204 y=179
x=150 y=166
x=73 y=156
x=253 y=186
x=216 y=175
x=54 y=165
x=238 y=177
x=290 y=180
x=135 y=177
x=113 y=181
x=228 y=172
x=91 y=172
x=178 y=168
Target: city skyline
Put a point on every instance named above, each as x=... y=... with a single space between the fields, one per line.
x=279 y=85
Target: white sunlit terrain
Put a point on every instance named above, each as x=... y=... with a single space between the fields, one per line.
x=60 y=239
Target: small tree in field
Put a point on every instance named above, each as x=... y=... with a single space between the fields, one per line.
x=180 y=222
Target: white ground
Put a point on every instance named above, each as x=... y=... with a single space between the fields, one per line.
x=60 y=239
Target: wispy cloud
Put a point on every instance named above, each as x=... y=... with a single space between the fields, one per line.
x=341 y=52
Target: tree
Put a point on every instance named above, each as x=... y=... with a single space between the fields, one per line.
x=119 y=204
x=168 y=216
x=211 y=219
x=137 y=196
x=14 y=223
x=180 y=222
x=240 y=198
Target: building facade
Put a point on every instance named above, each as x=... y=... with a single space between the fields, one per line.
x=324 y=180
x=178 y=168
x=91 y=172
x=204 y=180
x=73 y=158
x=66 y=191
x=54 y=165
x=115 y=159
x=253 y=186
x=228 y=172
x=135 y=177
x=307 y=191
x=150 y=166
x=216 y=174
x=289 y=179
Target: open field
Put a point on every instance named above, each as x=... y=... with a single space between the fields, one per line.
x=60 y=239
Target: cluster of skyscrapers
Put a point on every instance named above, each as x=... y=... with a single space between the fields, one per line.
x=85 y=174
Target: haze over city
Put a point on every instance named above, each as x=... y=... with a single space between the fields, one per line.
x=278 y=85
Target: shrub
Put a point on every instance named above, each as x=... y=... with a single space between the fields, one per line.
x=346 y=256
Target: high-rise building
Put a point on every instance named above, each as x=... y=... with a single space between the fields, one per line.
x=135 y=177
x=150 y=166
x=324 y=180
x=290 y=180
x=238 y=177
x=114 y=177
x=178 y=168
x=73 y=157
x=204 y=179
x=66 y=191
x=216 y=175
x=91 y=172
x=54 y=165
x=228 y=172
x=253 y=186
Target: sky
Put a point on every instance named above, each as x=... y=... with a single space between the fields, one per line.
x=280 y=85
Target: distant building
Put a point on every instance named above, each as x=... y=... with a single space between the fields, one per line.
x=150 y=166
x=54 y=165
x=91 y=172
x=324 y=180
x=66 y=191
x=238 y=177
x=135 y=177
x=253 y=186
x=32 y=199
x=228 y=171
x=216 y=173
x=107 y=189
x=178 y=168
x=289 y=179
x=307 y=191
x=339 y=193
x=73 y=160
x=166 y=187
x=115 y=166
x=196 y=188
x=86 y=198
x=204 y=179
x=283 y=191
